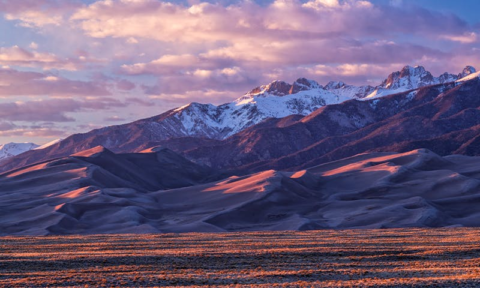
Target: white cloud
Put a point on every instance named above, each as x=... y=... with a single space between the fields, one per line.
x=465 y=38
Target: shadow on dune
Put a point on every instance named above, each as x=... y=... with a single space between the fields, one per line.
x=98 y=191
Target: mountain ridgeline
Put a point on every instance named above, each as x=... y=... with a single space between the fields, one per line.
x=284 y=126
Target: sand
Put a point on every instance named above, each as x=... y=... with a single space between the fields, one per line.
x=98 y=191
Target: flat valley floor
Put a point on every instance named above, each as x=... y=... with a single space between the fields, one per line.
x=346 y=258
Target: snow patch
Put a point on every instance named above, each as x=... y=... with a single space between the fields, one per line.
x=13 y=149
x=469 y=77
x=48 y=144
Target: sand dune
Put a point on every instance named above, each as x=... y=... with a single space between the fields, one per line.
x=98 y=191
x=95 y=191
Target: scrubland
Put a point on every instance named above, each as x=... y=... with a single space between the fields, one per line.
x=445 y=257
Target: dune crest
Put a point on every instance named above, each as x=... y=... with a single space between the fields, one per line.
x=98 y=191
x=92 y=152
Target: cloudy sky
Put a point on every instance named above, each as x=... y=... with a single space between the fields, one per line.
x=69 y=66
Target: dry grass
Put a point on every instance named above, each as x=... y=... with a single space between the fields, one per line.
x=349 y=258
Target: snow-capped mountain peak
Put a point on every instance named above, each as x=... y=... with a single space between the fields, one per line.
x=447 y=77
x=467 y=71
x=282 y=88
x=470 y=76
x=12 y=149
x=279 y=99
x=350 y=91
x=277 y=88
x=334 y=85
x=303 y=84
x=409 y=78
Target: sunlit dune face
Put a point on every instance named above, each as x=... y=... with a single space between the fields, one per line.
x=257 y=183
x=43 y=171
x=355 y=167
x=149 y=150
x=76 y=193
x=90 y=152
x=26 y=170
x=78 y=173
x=389 y=164
x=299 y=174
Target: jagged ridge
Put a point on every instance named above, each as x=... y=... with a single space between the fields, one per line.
x=276 y=100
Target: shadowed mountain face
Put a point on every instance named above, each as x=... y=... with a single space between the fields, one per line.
x=233 y=136
x=98 y=191
x=442 y=118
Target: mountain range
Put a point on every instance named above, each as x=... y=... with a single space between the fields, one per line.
x=206 y=125
x=283 y=156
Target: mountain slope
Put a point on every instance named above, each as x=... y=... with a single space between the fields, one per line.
x=441 y=118
x=48 y=144
x=205 y=121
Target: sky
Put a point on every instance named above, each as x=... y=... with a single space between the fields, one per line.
x=70 y=66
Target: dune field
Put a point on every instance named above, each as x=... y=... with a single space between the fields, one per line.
x=100 y=192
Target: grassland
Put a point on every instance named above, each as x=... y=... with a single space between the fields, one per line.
x=347 y=258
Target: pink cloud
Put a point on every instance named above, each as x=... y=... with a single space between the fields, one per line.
x=38 y=13
x=208 y=52
x=233 y=79
x=5 y=126
x=125 y=85
x=34 y=133
x=13 y=82
x=172 y=100
x=53 y=109
x=169 y=63
x=139 y=102
x=276 y=39
x=256 y=64
x=282 y=19
x=114 y=119
x=469 y=37
x=18 y=56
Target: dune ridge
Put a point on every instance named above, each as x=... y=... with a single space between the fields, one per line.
x=98 y=191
